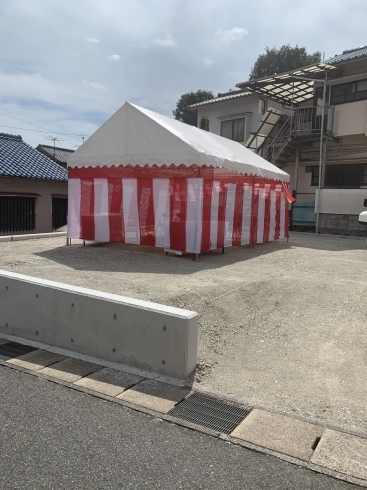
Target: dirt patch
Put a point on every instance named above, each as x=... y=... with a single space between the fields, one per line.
x=282 y=325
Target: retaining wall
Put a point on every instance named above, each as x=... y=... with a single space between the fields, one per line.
x=32 y=236
x=341 y=224
x=140 y=334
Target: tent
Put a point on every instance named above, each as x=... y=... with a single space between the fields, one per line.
x=144 y=178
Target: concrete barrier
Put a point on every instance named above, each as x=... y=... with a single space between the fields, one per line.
x=140 y=334
x=31 y=236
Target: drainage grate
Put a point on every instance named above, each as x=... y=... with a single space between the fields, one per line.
x=210 y=412
x=13 y=349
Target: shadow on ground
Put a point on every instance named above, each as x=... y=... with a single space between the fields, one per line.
x=337 y=243
x=114 y=257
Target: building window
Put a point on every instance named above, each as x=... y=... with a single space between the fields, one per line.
x=346 y=176
x=349 y=92
x=314 y=170
x=364 y=174
x=233 y=129
x=17 y=214
x=59 y=212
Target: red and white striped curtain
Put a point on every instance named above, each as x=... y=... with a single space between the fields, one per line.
x=183 y=214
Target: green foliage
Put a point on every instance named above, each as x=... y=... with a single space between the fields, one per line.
x=186 y=116
x=204 y=124
x=281 y=60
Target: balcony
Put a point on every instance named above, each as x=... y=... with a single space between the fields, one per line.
x=306 y=121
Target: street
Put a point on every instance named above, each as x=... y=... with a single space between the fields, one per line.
x=55 y=437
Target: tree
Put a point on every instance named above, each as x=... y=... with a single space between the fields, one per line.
x=281 y=60
x=186 y=116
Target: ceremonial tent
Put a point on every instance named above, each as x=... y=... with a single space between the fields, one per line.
x=144 y=178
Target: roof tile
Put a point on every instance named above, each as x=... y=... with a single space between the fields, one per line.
x=236 y=95
x=18 y=159
x=348 y=55
x=60 y=155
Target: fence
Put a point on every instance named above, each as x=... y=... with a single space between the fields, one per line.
x=17 y=214
x=303 y=212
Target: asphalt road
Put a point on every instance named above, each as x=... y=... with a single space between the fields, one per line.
x=52 y=437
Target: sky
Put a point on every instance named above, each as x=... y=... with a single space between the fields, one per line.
x=66 y=66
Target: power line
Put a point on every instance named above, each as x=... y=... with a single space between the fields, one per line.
x=38 y=131
x=41 y=127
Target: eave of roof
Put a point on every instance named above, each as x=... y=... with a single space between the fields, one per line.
x=217 y=100
x=348 y=55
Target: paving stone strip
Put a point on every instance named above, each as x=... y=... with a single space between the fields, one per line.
x=279 y=433
x=36 y=360
x=333 y=450
x=155 y=395
x=70 y=369
x=342 y=452
x=109 y=381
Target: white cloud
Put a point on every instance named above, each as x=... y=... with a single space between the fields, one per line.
x=207 y=61
x=91 y=40
x=168 y=42
x=114 y=57
x=229 y=35
x=85 y=83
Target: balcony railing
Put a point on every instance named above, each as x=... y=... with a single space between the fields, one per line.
x=307 y=121
x=304 y=122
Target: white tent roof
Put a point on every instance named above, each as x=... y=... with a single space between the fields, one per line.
x=136 y=136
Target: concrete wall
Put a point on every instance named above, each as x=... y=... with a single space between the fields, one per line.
x=235 y=108
x=350 y=119
x=342 y=201
x=45 y=189
x=341 y=224
x=306 y=191
x=32 y=236
x=136 y=333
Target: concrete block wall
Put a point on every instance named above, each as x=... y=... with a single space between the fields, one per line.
x=136 y=333
x=341 y=224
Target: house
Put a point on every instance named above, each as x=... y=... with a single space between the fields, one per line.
x=320 y=140
x=59 y=155
x=237 y=115
x=33 y=189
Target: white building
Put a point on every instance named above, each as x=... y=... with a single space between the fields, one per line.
x=293 y=143
x=235 y=115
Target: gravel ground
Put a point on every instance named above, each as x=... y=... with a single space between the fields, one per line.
x=282 y=325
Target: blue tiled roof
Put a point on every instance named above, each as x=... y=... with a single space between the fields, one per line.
x=18 y=159
x=348 y=55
